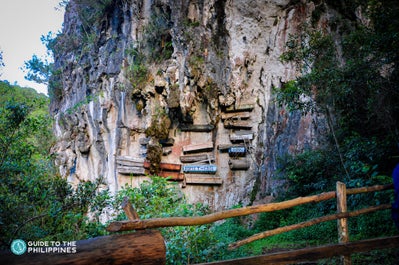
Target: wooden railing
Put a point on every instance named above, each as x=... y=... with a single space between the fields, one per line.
x=342 y=216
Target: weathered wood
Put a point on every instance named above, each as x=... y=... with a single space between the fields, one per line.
x=167 y=142
x=237 y=151
x=235 y=137
x=226 y=147
x=164 y=166
x=235 y=116
x=242 y=107
x=198 y=147
x=126 y=170
x=314 y=253
x=196 y=127
x=342 y=223
x=306 y=224
x=203 y=179
x=130 y=212
x=172 y=175
x=210 y=218
x=139 y=248
x=129 y=161
x=195 y=158
x=238 y=164
x=237 y=124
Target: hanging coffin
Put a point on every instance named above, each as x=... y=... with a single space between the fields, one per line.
x=199 y=179
x=237 y=124
x=164 y=166
x=196 y=127
x=241 y=137
x=198 y=147
x=243 y=107
x=206 y=169
x=130 y=170
x=172 y=175
x=238 y=164
x=129 y=161
x=237 y=151
x=236 y=116
x=197 y=158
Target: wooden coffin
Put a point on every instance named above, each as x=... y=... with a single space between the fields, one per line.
x=242 y=107
x=237 y=151
x=199 y=179
x=241 y=137
x=199 y=168
x=172 y=175
x=130 y=170
x=129 y=161
x=235 y=116
x=197 y=158
x=196 y=127
x=225 y=147
x=238 y=164
x=193 y=148
x=237 y=124
x=164 y=166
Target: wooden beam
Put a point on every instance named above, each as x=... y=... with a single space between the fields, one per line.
x=203 y=180
x=130 y=212
x=210 y=218
x=198 y=147
x=342 y=223
x=306 y=224
x=139 y=248
x=314 y=253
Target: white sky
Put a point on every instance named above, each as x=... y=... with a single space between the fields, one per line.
x=22 y=22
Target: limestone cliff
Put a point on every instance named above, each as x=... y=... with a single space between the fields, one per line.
x=143 y=83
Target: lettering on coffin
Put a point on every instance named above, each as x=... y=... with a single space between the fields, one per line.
x=199 y=168
x=237 y=149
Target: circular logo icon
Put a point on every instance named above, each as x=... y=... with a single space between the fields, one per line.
x=18 y=247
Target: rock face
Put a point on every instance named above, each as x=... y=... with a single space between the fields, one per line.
x=142 y=85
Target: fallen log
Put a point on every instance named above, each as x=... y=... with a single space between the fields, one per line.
x=139 y=248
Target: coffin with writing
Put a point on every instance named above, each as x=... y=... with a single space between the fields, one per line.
x=237 y=151
x=199 y=168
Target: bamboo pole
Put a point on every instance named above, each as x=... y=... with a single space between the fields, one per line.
x=206 y=219
x=306 y=224
x=342 y=223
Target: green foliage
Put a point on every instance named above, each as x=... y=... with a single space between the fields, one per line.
x=34 y=202
x=161 y=198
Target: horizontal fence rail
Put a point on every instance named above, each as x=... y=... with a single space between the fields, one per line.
x=137 y=224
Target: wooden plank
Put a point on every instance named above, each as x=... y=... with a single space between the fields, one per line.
x=235 y=116
x=237 y=124
x=129 y=161
x=203 y=180
x=242 y=107
x=198 y=147
x=172 y=175
x=196 y=127
x=210 y=218
x=129 y=170
x=163 y=165
x=238 y=164
x=200 y=168
x=138 y=248
x=314 y=253
x=195 y=158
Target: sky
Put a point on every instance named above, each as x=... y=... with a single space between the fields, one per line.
x=22 y=23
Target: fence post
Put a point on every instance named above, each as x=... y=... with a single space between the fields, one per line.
x=343 y=231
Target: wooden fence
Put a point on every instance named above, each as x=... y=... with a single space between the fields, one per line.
x=148 y=247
